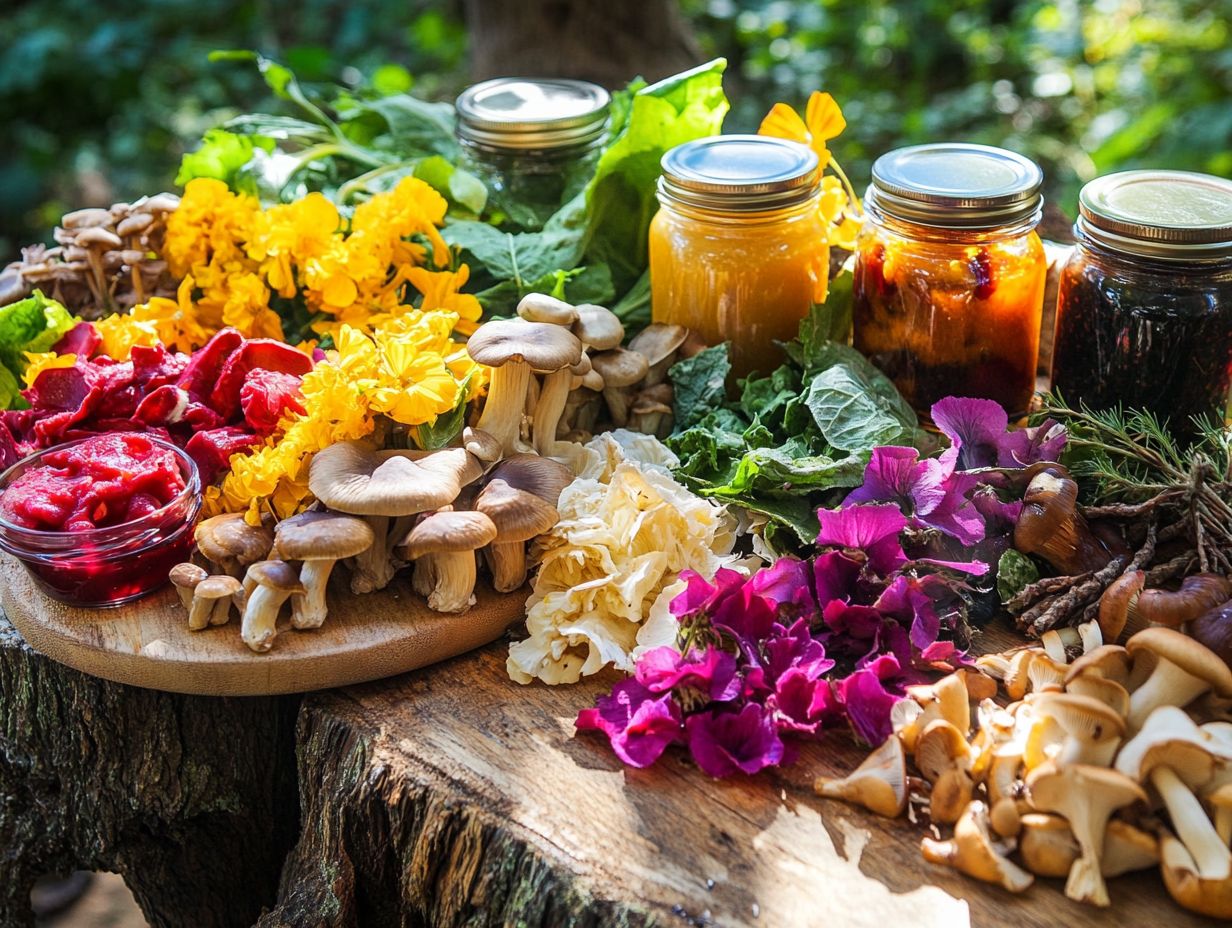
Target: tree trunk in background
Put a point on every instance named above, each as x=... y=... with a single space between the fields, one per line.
x=595 y=40
x=191 y=798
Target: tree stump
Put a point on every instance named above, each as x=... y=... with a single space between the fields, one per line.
x=192 y=799
x=455 y=797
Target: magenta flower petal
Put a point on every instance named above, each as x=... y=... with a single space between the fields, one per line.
x=897 y=475
x=712 y=672
x=907 y=599
x=1043 y=442
x=725 y=743
x=867 y=701
x=786 y=582
x=699 y=595
x=975 y=428
x=746 y=615
x=975 y=568
x=799 y=702
x=638 y=724
x=871 y=529
x=834 y=577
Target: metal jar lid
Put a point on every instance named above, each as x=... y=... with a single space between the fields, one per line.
x=739 y=173
x=1159 y=214
x=525 y=114
x=956 y=185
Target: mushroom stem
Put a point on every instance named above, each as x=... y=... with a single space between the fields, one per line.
x=548 y=410
x=508 y=563
x=502 y=411
x=447 y=579
x=1167 y=685
x=308 y=609
x=374 y=568
x=221 y=613
x=261 y=616
x=200 y=611
x=1195 y=830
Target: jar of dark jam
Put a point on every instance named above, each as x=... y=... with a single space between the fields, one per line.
x=950 y=274
x=1144 y=307
x=534 y=143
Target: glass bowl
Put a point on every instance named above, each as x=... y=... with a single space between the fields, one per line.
x=113 y=565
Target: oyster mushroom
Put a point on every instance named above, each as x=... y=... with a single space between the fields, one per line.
x=267 y=584
x=1086 y=796
x=598 y=328
x=443 y=546
x=1183 y=670
x=1052 y=526
x=651 y=412
x=620 y=369
x=319 y=540
x=231 y=544
x=514 y=349
x=973 y=851
x=519 y=516
x=1186 y=884
x=658 y=343
x=879 y=783
x=944 y=758
x=539 y=307
x=354 y=478
x=1048 y=847
x=212 y=601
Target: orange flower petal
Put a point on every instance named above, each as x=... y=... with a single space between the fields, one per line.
x=784 y=123
x=823 y=117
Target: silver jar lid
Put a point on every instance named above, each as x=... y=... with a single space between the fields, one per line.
x=1159 y=214
x=956 y=185
x=532 y=114
x=739 y=173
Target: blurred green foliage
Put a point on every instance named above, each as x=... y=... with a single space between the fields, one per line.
x=100 y=101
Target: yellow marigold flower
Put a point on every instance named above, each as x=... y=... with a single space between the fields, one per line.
x=419 y=389
x=37 y=362
x=440 y=290
x=206 y=226
x=289 y=234
x=246 y=308
x=412 y=207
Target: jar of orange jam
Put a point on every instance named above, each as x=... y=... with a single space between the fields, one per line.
x=950 y=274
x=738 y=248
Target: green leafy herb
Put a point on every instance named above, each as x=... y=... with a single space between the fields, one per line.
x=700 y=384
x=1015 y=572
x=30 y=325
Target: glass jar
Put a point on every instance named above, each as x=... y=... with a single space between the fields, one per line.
x=534 y=143
x=113 y=565
x=950 y=274
x=738 y=247
x=1144 y=306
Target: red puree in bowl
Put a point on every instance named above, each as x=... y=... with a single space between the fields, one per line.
x=99 y=483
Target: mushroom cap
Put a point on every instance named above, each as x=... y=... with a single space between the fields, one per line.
x=1214 y=629
x=86 y=218
x=1186 y=886
x=1118 y=601
x=657 y=341
x=229 y=536
x=533 y=473
x=449 y=531
x=1052 y=788
x=940 y=747
x=1015 y=677
x=545 y=347
x=620 y=367
x=1044 y=672
x=657 y=398
x=599 y=328
x=519 y=515
x=217 y=587
x=325 y=536
x=483 y=445
x=97 y=235
x=1169 y=739
x=583 y=367
x=1105 y=691
x=1110 y=661
x=539 y=307
x=879 y=783
x=354 y=478
x=1082 y=717
x=277 y=575
x=186 y=575
x=1191 y=656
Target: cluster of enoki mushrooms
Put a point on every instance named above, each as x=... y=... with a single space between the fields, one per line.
x=557 y=372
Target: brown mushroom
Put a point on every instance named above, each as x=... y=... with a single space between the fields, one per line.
x=212 y=601
x=651 y=412
x=944 y=758
x=231 y=544
x=1052 y=526
x=539 y=307
x=598 y=328
x=1197 y=594
x=620 y=369
x=442 y=546
x=185 y=577
x=879 y=783
x=519 y=516
x=972 y=851
x=1183 y=669
x=1214 y=630
x=658 y=343
x=268 y=584
x=318 y=540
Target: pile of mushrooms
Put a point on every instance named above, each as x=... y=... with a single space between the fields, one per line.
x=104 y=260
x=609 y=386
x=1117 y=760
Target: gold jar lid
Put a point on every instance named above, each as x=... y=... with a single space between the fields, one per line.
x=739 y=173
x=532 y=114
x=1178 y=215
x=956 y=185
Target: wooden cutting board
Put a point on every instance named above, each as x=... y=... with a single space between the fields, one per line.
x=147 y=643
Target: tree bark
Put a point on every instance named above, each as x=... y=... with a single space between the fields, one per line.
x=192 y=799
x=595 y=40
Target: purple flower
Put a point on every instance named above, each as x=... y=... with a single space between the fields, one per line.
x=700 y=596
x=928 y=491
x=712 y=672
x=908 y=600
x=867 y=701
x=795 y=648
x=746 y=615
x=786 y=582
x=1043 y=442
x=834 y=577
x=976 y=429
x=639 y=724
x=871 y=529
x=725 y=743
x=800 y=703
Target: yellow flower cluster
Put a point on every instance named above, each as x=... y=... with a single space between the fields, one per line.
x=409 y=371
x=236 y=258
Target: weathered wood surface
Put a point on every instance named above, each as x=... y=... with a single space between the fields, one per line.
x=192 y=799
x=148 y=642
x=455 y=797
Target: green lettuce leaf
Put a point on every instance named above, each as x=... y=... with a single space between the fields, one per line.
x=33 y=324
x=227 y=157
x=646 y=122
x=851 y=415
x=700 y=383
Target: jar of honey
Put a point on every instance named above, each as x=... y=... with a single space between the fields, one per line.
x=950 y=274
x=738 y=248
x=534 y=143
x=1144 y=306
